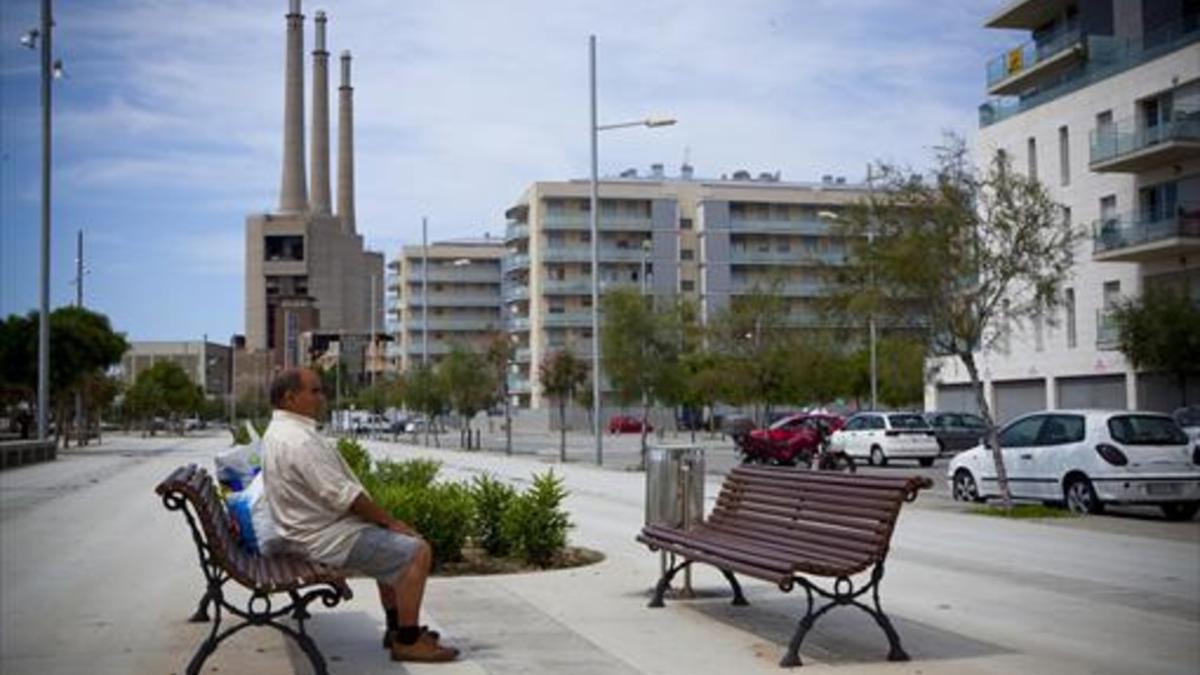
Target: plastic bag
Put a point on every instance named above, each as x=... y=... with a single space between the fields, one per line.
x=249 y=509
x=237 y=466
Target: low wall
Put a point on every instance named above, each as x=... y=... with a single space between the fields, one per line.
x=20 y=453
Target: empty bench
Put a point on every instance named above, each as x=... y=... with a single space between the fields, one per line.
x=786 y=525
x=191 y=490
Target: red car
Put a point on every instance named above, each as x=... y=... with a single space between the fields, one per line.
x=790 y=439
x=626 y=424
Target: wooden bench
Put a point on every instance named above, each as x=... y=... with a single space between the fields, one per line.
x=784 y=525
x=191 y=490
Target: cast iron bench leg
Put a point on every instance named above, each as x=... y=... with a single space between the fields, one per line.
x=664 y=583
x=738 y=598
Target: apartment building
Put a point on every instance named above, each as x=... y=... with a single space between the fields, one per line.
x=1101 y=102
x=208 y=364
x=710 y=240
x=455 y=299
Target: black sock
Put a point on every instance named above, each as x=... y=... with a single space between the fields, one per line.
x=407 y=635
x=393 y=621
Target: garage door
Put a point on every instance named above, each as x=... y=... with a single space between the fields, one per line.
x=1019 y=397
x=1162 y=393
x=956 y=398
x=1103 y=391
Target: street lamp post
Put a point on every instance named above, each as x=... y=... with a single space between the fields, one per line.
x=48 y=69
x=424 y=292
x=594 y=129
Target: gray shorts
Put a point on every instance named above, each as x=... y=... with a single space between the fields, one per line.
x=381 y=554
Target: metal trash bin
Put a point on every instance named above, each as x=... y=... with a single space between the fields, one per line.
x=675 y=493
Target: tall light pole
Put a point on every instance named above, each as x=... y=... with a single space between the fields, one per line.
x=424 y=292
x=593 y=133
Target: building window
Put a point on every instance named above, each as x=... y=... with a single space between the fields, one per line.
x=1064 y=155
x=687 y=254
x=1031 y=147
x=1069 y=302
x=685 y=223
x=687 y=285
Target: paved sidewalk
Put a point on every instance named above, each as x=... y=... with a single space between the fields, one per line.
x=96 y=577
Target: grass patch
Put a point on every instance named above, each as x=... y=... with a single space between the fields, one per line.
x=1023 y=511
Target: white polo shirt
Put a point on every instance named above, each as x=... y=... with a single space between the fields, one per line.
x=309 y=488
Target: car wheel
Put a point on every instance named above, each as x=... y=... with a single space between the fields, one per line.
x=1081 y=497
x=965 y=488
x=1180 y=510
x=926 y=461
x=877 y=456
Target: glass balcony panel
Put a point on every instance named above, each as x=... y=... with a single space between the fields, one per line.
x=1136 y=229
x=1029 y=55
x=1126 y=137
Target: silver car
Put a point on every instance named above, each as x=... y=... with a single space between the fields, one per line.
x=1088 y=458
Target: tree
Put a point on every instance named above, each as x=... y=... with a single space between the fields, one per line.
x=561 y=374
x=499 y=355
x=424 y=392
x=469 y=384
x=82 y=346
x=964 y=252
x=1161 y=332
x=752 y=336
x=641 y=345
x=164 y=390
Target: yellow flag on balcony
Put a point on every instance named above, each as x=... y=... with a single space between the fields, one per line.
x=1015 y=60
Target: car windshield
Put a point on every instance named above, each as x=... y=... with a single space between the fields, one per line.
x=907 y=422
x=1146 y=430
x=973 y=421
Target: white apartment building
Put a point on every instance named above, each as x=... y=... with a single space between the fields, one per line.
x=711 y=240
x=1102 y=104
x=462 y=305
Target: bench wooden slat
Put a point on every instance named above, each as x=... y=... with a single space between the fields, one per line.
x=799 y=509
x=798 y=556
x=880 y=503
x=808 y=527
x=824 y=543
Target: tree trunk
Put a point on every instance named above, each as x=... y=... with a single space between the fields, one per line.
x=562 y=429
x=993 y=437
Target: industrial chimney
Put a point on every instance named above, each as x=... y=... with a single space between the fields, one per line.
x=293 y=197
x=345 y=195
x=321 y=202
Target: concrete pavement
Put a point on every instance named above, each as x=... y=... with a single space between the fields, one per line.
x=96 y=577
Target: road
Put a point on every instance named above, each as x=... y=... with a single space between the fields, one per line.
x=96 y=577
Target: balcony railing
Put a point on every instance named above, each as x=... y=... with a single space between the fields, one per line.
x=1106 y=56
x=800 y=257
x=516 y=231
x=1108 y=330
x=512 y=263
x=802 y=289
x=807 y=226
x=465 y=274
x=1119 y=232
x=573 y=319
x=518 y=384
x=457 y=300
x=1030 y=55
x=1127 y=137
x=582 y=221
x=582 y=286
x=516 y=292
x=583 y=253
x=517 y=323
x=473 y=324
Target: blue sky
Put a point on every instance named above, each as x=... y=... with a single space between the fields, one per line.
x=168 y=124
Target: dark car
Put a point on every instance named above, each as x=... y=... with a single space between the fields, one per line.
x=626 y=424
x=789 y=440
x=956 y=431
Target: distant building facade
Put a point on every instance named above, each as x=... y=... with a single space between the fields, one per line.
x=208 y=364
x=463 y=303
x=710 y=240
x=1102 y=104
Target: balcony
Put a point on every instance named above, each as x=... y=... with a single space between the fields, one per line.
x=1028 y=14
x=583 y=221
x=522 y=355
x=582 y=286
x=458 y=324
x=790 y=289
x=1105 y=56
x=809 y=258
x=514 y=262
x=1108 y=331
x=518 y=384
x=457 y=300
x=1123 y=147
x=812 y=227
x=436 y=347
x=583 y=254
x=517 y=324
x=1141 y=238
x=1021 y=68
x=516 y=232
x=516 y=292
x=467 y=274
x=567 y=320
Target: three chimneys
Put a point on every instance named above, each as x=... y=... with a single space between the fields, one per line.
x=294 y=197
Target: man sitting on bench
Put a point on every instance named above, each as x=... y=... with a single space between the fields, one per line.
x=322 y=512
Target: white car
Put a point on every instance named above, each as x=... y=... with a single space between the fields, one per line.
x=881 y=437
x=1088 y=458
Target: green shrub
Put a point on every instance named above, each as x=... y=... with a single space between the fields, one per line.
x=440 y=512
x=491 y=499
x=241 y=436
x=535 y=524
x=357 y=457
x=416 y=473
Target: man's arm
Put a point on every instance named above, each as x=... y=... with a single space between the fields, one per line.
x=364 y=507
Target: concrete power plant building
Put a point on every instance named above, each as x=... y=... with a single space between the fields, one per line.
x=306 y=266
x=1102 y=104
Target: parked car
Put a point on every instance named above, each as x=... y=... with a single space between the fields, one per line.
x=375 y=424
x=956 y=431
x=788 y=440
x=1088 y=458
x=881 y=437
x=735 y=426
x=1188 y=418
x=626 y=424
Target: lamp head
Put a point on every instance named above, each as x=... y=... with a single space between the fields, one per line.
x=659 y=121
x=29 y=38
